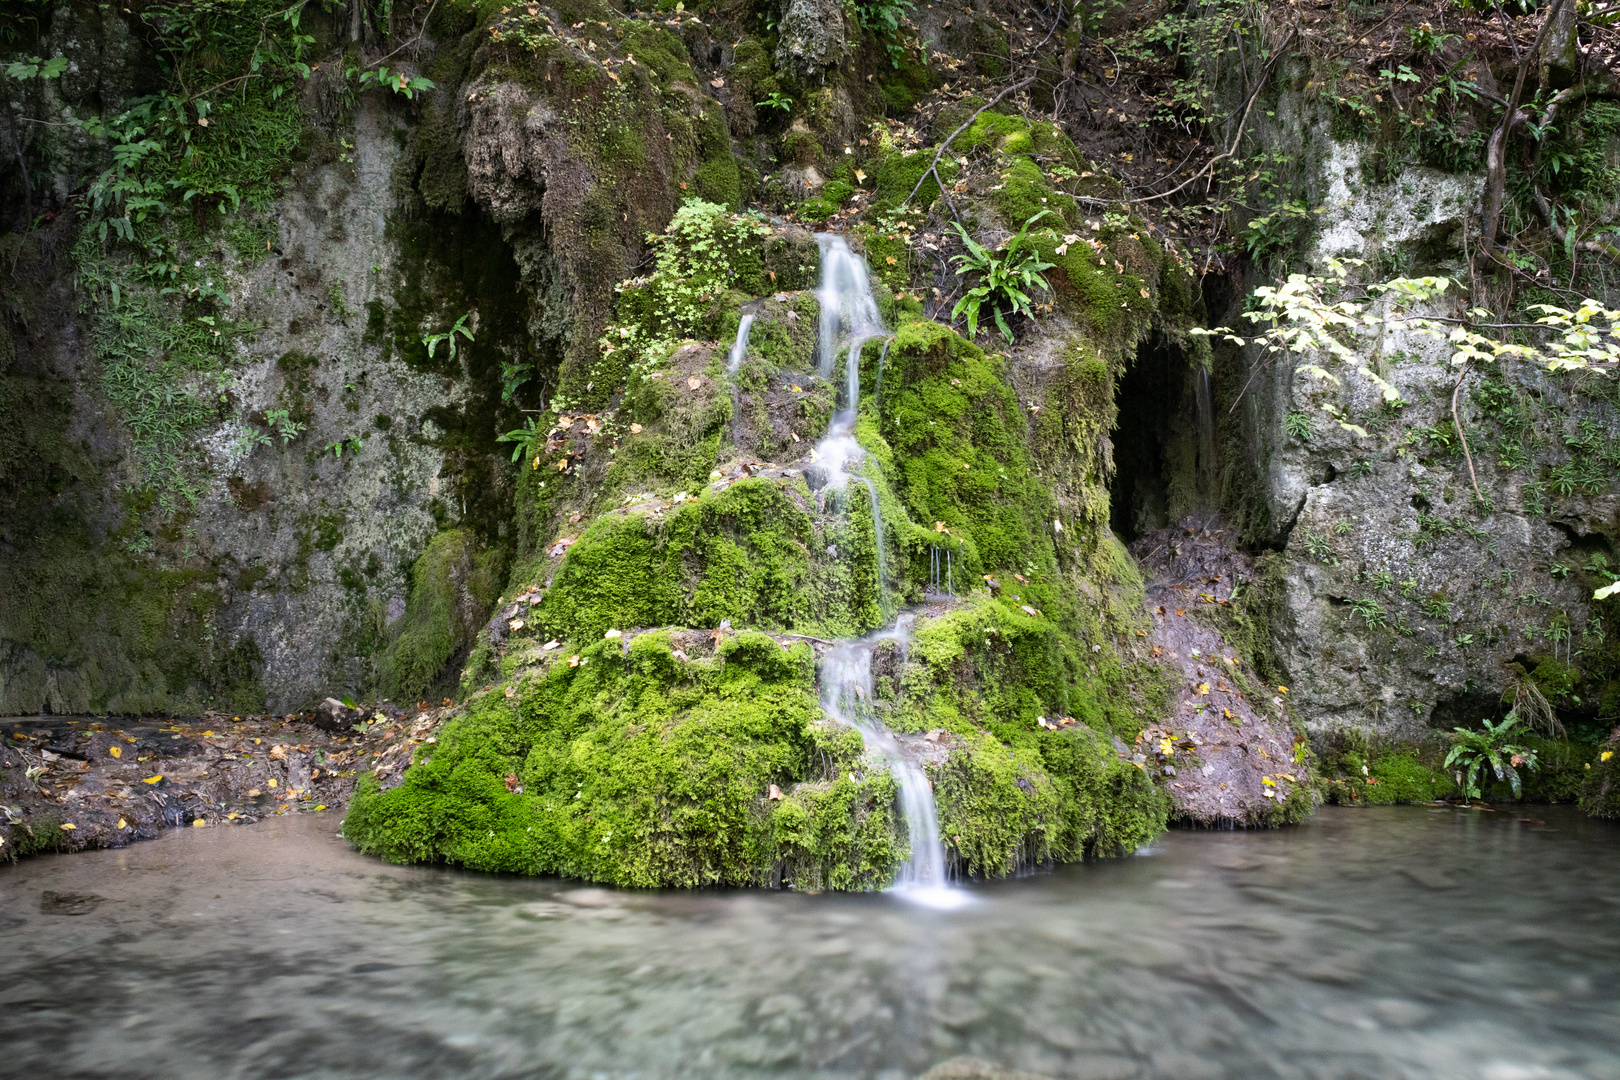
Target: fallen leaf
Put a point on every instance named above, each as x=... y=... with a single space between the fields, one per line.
x=122 y=824
x=717 y=83
x=278 y=753
x=115 y=751
x=254 y=793
x=1144 y=294
x=511 y=691
x=775 y=793
x=614 y=634
x=68 y=826
x=573 y=661
x=153 y=779
x=1203 y=688
x=199 y=824
x=1027 y=610
x=273 y=781
x=890 y=260
x=1282 y=689
x=693 y=382
x=515 y=624
x=635 y=429
x=552 y=644
x=513 y=785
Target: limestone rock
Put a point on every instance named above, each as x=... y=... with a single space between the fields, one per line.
x=332 y=715
x=812 y=38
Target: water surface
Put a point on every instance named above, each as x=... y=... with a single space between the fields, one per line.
x=1388 y=943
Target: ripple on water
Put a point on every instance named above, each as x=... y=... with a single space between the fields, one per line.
x=1311 y=953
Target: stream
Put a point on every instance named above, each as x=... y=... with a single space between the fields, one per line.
x=1402 y=942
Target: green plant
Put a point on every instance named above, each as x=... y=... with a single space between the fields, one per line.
x=1004 y=279
x=1370 y=610
x=776 y=100
x=527 y=439
x=1474 y=751
x=883 y=19
x=1361 y=467
x=513 y=376
x=407 y=86
x=1298 y=425
x=432 y=340
x=281 y=422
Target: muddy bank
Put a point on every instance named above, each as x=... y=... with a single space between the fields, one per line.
x=72 y=783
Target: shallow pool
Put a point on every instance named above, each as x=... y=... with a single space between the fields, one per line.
x=1401 y=942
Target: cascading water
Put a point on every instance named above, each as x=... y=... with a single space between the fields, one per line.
x=849 y=308
x=846 y=695
x=739 y=348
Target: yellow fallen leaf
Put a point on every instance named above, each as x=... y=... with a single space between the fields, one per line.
x=1606 y=755
x=115 y=751
x=1203 y=688
x=199 y=824
x=122 y=824
x=1282 y=689
x=890 y=259
x=68 y=826
x=273 y=779
x=797 y=390
x=322 y=806
x=153 y=779
x=573 y=661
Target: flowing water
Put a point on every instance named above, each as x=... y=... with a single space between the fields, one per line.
x=1399 y=943
x=846 y=695
x=739 y=348
x=849 y=310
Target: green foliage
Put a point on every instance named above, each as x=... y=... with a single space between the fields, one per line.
x=883 y=20
x=1298 y=425
x=1473 y=752
x=1005 y=280
x=406 y=86
x=431 y=341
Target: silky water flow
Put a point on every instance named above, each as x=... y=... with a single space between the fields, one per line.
x=849 y=312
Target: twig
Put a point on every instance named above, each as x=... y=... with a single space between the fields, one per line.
x=1496 y=148
x=1456 y=419
x=1209 y=166
x=933 y=166
x=415 y=40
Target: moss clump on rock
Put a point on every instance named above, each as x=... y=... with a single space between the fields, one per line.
x=633 y=765
x=452 y=588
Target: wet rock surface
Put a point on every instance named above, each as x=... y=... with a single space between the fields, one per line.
x=1227 y=751
x=72 y=783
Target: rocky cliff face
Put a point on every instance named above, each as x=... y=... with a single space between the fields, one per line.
x=405 y=368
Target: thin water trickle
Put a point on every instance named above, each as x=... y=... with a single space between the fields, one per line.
x=739 y=348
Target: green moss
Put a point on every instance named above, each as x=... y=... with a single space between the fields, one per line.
x=452 y=589
x=639 y=769
x=718 y=181
x=1600 y=789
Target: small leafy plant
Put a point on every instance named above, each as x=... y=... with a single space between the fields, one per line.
x=1005 y=280
x=432 y=340
x=1473 y=752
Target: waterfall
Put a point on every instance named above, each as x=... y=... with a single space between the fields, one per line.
x=1204 y=410
x=846 y=695
x=739 y=348
x=848 y=306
